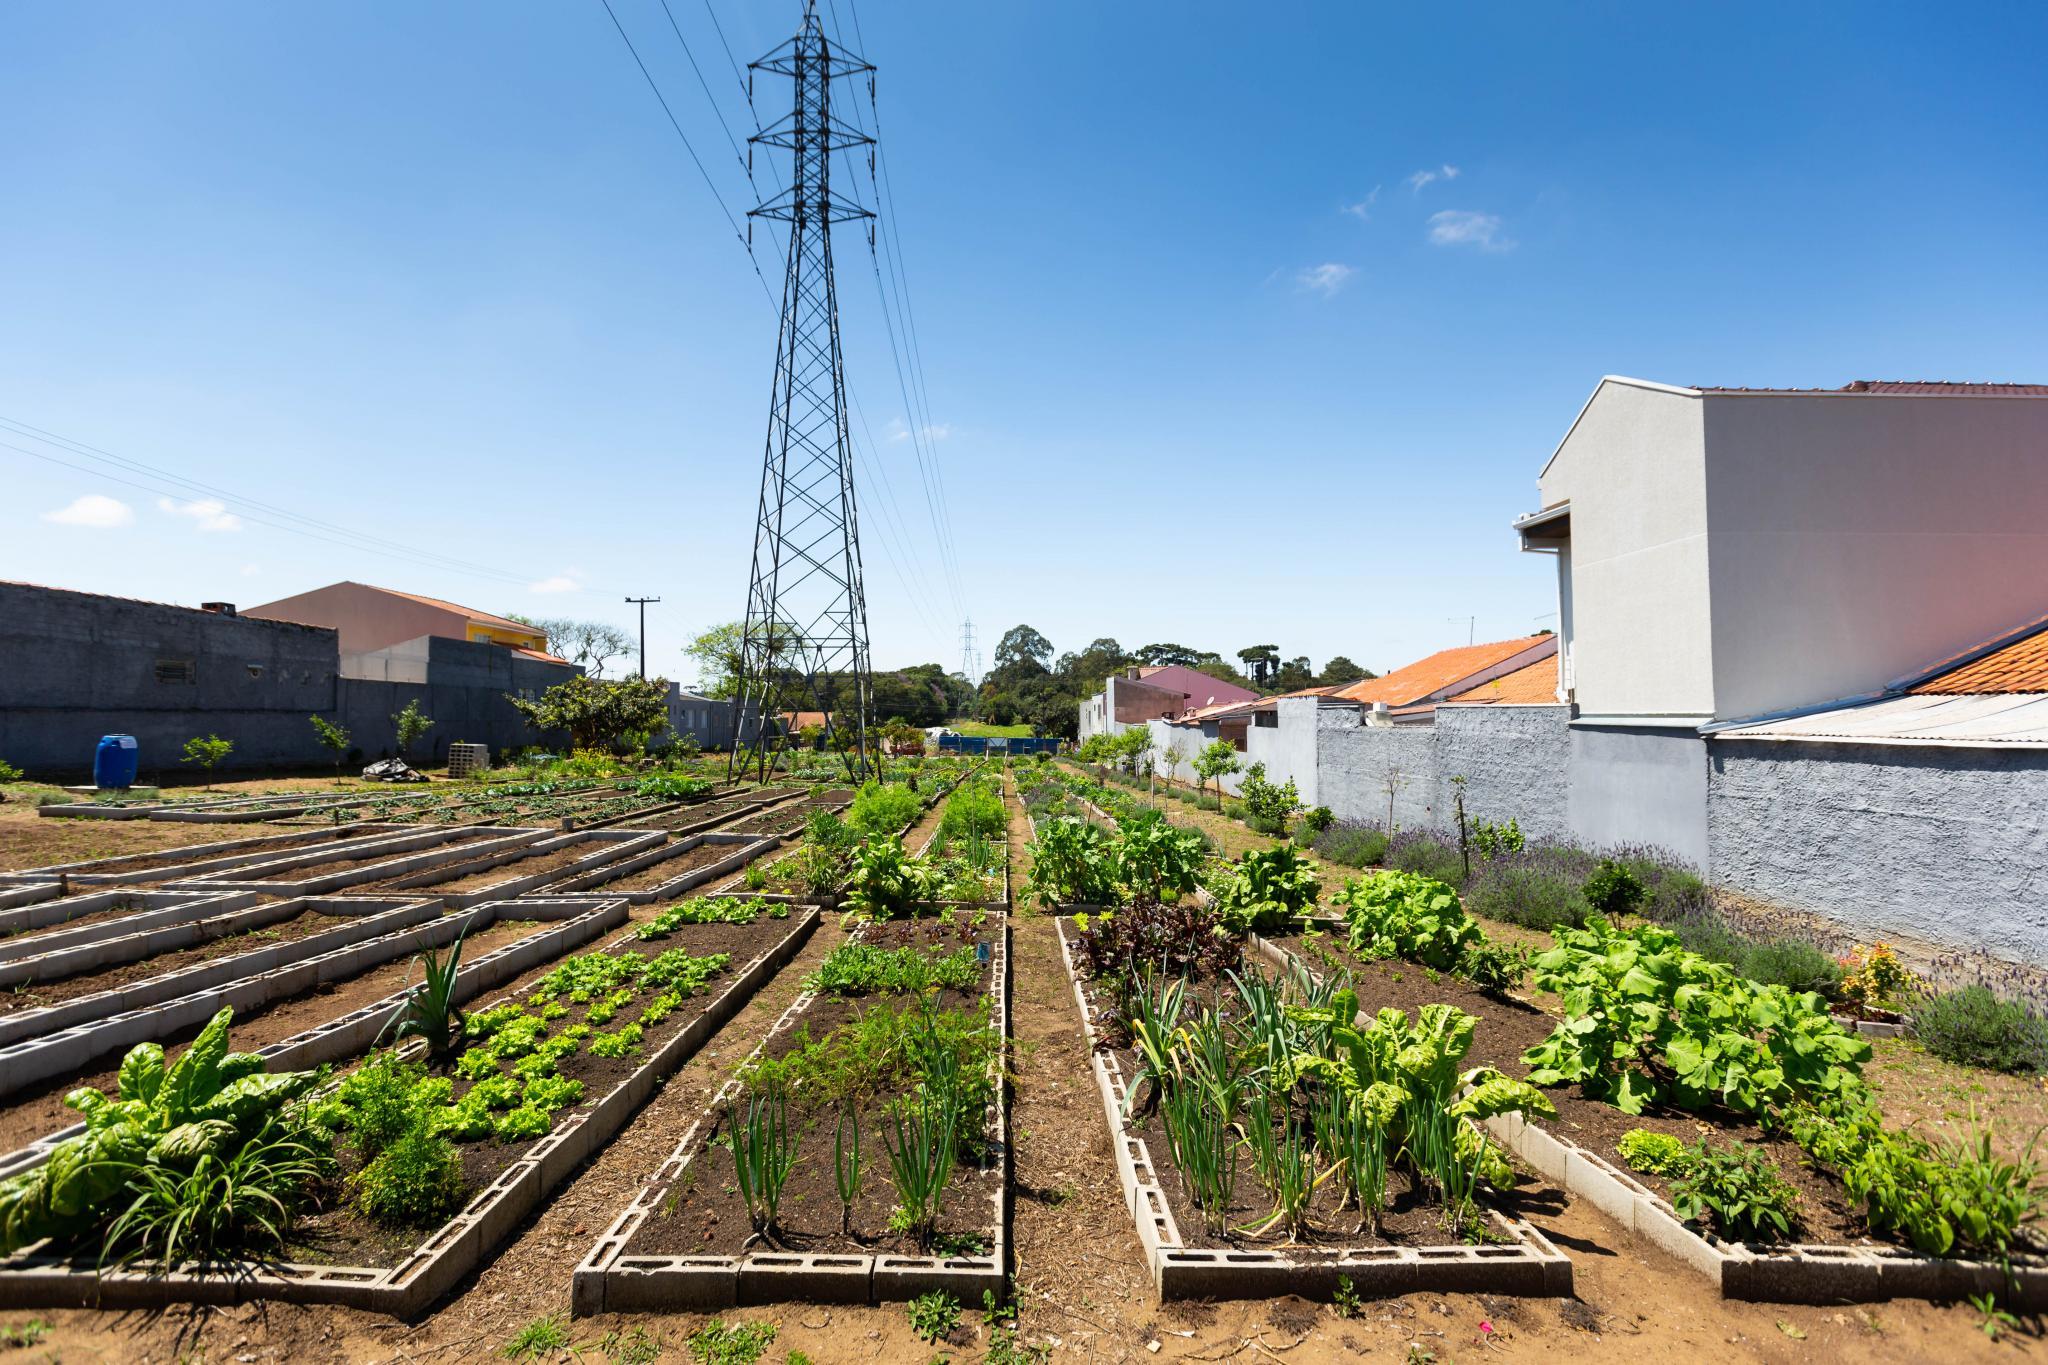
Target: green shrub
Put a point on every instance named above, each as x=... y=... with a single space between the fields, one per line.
x=1206 y=802
x=1539 y=888
x=1792 y=963
x=1234 y=809
x=1613 y=890
x=8 y=772
x=1269 y=891
x=1974 y=1027
x=1402 y=914
x=1651 y=1153
x=878 y=809
x=414 y=1182
x=377 y=1101
x=1313 y=823
x=1737 y=1188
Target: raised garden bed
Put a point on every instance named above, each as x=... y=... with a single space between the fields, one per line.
x=683 y=1242
x=348 y=1261
x=37 y=925
x=664 y=873
x=377 y=861
x=196 y=860
x=135 y=925
x=1832 y=1257
x=521 y=868
x=1187 y=1262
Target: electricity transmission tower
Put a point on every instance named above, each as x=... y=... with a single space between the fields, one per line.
x=970 y=657
x=804 y=645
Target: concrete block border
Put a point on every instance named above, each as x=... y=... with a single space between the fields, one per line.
x=745 y=848
x=205 y=857
x=421 y=849
x=1525 y=1264
x=611 y=1281
x=609 y=846
x=436 y=1265
x=1795 y=1272
x=130 y=938
x=19 y=926
x=579 y=921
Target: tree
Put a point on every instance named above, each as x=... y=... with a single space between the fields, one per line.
x=598 y=713
x=718 y=657
x=1341 y=672
x=1215 y=762
x=1022 y=646
x=1176 y=755
x=592 y=644
x=1259 y=661
x=1138 y=746
x=410 y=725
x=1161 y=656
x=1293 y=675
x=208 y=754
x=332 y=738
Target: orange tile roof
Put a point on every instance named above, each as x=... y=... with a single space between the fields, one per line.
x=482 y=618
x=1529 y=685
x=540 y=655
x=1444 y=669
x=2021 y=666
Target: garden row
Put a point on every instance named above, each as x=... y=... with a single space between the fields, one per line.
x=205 y=1174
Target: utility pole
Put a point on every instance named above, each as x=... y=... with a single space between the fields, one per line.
x=970 y=660
x=1471 y=625
x=804 y=644
x=642 y=602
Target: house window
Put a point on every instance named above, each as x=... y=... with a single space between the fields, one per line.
x=176 y=671
x=1266 y=720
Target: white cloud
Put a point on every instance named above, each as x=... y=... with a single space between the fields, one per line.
x=1362 y=210
x=898 y=430
x=250 y=570
x=95 y=510
x=1327 y=278
x=938 y=431
x=1462 y=227
x=561 y=582
x=1421 y=178
x=209 y=514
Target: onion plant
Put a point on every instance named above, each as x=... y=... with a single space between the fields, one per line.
x=846 y=1171
x=925 y=1128
x=1294 y=1178
x=1154 y=1022
x=762 y=1154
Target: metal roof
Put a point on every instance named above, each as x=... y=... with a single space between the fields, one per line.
x=1985 y=720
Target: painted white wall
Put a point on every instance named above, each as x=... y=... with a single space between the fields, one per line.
x=1635 y=618
x=1856 y=538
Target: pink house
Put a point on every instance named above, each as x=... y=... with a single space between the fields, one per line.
x=1199 y=688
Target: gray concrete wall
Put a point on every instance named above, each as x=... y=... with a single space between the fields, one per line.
x=1635 y=785
x=1355 y=764
x=1944 y=846
x=1288 y=746
x=1515 y=762
x=75 y=666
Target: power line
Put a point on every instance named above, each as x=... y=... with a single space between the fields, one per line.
x=705 y=85
x=249 y=508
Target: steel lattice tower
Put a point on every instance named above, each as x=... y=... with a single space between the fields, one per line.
x=805 y=641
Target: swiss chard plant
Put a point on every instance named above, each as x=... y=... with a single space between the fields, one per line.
x=1405 y=914
x=883 y=881
x=1071 y=864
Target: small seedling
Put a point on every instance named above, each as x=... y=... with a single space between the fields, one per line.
x=933 y=1316
x=716 y=1343
x=25 y=1335
x=1345 y=1300
x=637 y=1349
x=1996 y=1320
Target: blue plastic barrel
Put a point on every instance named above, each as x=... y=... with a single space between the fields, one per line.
x=114 y=762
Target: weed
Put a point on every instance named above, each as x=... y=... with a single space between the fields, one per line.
x=933 y=1316
x=1996 y=1320
x=1345 y=1301
x=742 y=1343
x=637 y=1349
x=538 y=1339
x=24 y=1335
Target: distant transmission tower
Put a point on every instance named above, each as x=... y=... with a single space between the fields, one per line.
x=805 y=641
x=970 y=657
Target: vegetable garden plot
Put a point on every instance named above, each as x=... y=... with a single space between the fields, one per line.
x=377 y=861
x=1371 y=1166
x=195 y=859
x=667 y=872
x=129 y=926
x=525 y=867
x=523 y=1092
x=49 y=921
x=1828 y=1250
x=500 y=942
x=872 y=1127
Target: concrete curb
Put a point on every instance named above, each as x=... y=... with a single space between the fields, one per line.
x=112 y=943
x=745 y=849
x=1527 y=1265
x=610 y=1281
x=438 y=1264
x=580 y=921
x=1795 y=1272
x=611 y=844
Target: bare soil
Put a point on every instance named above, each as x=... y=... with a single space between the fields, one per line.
x=368 y=857
x=702 y=1213
x=43 y=994
x=514 y=868
x=661 y=873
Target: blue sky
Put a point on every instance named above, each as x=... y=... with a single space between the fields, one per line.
x=1237 y=325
